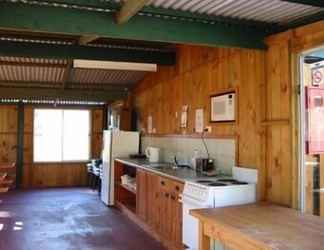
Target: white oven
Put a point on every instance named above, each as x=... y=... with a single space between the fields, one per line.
x=190 y=224
x=212 y=193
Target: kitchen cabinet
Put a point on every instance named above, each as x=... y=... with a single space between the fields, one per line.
x=157 y=205
x=170 y=226
x=153 y=197
x=141 y=194
x=176 y=213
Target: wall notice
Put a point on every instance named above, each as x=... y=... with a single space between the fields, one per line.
x=199 y=124
x=318 y=76
x=149 y=124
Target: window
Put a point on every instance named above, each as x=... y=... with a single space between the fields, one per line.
x=61 y=135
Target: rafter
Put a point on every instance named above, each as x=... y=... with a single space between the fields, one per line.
x=84 y=40
x=67 y=74
x=129 y=9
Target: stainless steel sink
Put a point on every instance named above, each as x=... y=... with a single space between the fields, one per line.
x=160 y=165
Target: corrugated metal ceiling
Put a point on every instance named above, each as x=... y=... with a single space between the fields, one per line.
x=95 y=76
x=274 y=11
x=22 y=71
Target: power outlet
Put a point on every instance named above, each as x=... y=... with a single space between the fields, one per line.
x=208 y=129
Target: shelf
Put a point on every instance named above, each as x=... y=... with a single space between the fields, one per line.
x=128 y=188
x=129 y=206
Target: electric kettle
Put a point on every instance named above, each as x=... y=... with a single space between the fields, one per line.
x=153 y=154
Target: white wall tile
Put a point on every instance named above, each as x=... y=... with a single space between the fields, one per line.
x=221 y=150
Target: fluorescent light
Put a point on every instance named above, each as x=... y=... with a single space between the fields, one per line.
x=94 y=64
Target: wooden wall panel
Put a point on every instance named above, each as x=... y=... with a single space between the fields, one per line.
x=267 y=125
x=8 y=136
x=8 y=148
x=8 y=119
x=199 y=73
x=97 y=128
x=282 y=112
x=278 y=117
x=8 y=133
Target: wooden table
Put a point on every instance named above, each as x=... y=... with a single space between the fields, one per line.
x=259 y=226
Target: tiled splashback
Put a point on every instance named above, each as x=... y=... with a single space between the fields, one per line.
x=221 y=150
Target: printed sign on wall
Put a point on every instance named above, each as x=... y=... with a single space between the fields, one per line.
x=318 y=76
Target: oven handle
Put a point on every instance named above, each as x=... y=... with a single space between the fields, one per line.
x=192 y=202
x=180 y=198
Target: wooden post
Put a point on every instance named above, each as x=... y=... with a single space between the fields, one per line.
x=129 y=9
x=204 y=241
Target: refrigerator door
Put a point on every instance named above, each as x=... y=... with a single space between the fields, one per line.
x=116 y=144
x=106 y=161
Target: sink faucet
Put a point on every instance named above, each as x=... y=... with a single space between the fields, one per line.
x=175 y=162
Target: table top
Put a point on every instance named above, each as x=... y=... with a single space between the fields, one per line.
x=274 y=226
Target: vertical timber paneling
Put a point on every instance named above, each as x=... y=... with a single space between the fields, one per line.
x=278 y=117
x=267 y=126
x=199 y=73
x=8 y=135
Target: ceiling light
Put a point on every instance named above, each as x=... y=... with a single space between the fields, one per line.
x=111 y=65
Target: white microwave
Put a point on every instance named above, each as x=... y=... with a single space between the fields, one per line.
x=223 y=107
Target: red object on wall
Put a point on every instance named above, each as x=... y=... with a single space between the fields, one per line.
x=315 y=120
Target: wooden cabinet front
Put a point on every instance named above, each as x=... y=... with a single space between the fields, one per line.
x=176 y=213
x=153 y=200
x=163 y=209
x=141 y=194
x=155 y=203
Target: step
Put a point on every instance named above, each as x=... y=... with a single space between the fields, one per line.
x=3 y=176
x=7 y=165
x=4 y=189
x=6 y=182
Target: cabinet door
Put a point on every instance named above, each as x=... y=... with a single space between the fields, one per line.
x=153 y=204
x=176 y=214
x=141 y=194
x=165 y=208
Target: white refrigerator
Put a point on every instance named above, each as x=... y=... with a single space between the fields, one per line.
x=115 y=144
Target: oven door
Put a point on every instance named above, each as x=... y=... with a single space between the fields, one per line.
x=190 y=225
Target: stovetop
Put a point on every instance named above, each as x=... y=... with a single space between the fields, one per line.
x=220 y=182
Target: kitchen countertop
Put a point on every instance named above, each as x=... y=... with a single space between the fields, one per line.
x=179 y=174
x=263 y=226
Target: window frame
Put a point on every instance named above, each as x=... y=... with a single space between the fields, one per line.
x=62 y=108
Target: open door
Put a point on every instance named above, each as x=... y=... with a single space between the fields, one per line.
x=312 y=132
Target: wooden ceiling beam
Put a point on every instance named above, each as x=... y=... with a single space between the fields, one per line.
x=67 y=74
x=129 y=9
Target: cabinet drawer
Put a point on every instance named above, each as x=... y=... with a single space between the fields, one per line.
x=165 y=184
x=177 y=187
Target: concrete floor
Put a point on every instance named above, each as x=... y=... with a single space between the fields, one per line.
x=66 y=219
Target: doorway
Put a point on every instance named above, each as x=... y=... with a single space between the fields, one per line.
x=311 y=107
